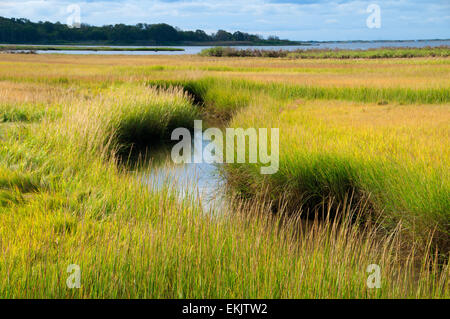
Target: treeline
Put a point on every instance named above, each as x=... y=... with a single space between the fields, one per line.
x=24 y=31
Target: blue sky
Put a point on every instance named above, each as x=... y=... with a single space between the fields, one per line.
x=292 y=19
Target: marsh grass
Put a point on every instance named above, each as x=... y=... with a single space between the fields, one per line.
x=394 y=155
x=218 y=92
x=133 y=241
x=378 y=53
x=64 y=198
x=23 y=113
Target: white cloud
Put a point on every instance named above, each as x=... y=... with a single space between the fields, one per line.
x=301 y=20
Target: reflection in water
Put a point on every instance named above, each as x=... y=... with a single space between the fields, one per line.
x=199 y=181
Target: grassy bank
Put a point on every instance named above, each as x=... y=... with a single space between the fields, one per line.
x=391 y=153
x=379 y=53
x=212 y=89
x=66 y=199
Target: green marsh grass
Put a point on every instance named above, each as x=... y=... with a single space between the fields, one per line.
x=213 y=89
x=65 y=199
x=378 y=53
x=397 y=161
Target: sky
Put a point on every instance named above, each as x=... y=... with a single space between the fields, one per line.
x=288 y=19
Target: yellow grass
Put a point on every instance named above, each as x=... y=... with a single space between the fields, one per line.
x=65 y=197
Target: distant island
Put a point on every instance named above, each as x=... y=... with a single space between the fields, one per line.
x=23 y=31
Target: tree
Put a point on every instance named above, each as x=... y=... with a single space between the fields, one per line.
x=222 y=35
x=24 y=31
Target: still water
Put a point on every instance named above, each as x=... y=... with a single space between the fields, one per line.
x=322 y=45
x=200 y=182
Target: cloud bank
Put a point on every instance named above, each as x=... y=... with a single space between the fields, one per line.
x=295 y=20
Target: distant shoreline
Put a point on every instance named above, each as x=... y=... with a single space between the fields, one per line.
x=351 y=49
x=172 y=46
x=158 y=45
x=375 y=53
x=78 y=48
